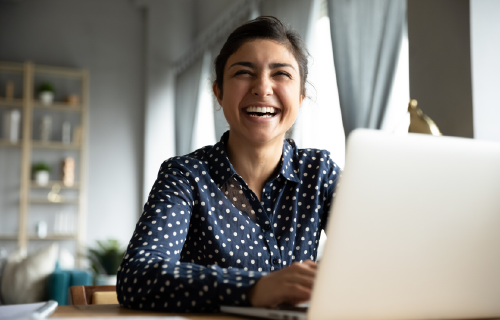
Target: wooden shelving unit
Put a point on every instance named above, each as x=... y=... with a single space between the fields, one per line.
x=27 y=104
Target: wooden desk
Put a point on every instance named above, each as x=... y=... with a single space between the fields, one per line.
x=114 y=310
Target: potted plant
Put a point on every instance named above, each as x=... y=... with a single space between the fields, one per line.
x=106 y=259
x=46 y=93
x=41 y=172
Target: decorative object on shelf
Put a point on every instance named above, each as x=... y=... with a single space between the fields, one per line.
x=73 y=100
x=12 y=121
x=66 y=132
x=105 y=261
x=420 y=122
x=9 y=91
x=41 y=172
x=46 y=93
x=45 y=128
x=41 y=229
x=77 y=135
x=54 y=195
x=68 y=172
x=64 y=223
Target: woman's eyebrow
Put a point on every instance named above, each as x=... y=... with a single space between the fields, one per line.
x=274 y=65
x=243 y=63
x=280 y=65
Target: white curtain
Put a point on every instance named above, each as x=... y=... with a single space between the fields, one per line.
x=204 y=125
x=319 y=124
x=186 y=105
x=366 y=37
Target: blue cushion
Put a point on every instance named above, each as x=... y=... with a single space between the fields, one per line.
x=60 y=280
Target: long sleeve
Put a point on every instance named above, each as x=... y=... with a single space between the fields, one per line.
x=332 y=175
x=153 y=275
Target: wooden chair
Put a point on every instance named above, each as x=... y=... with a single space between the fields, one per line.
x=84 y=295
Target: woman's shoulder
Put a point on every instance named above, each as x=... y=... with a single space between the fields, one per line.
x=194 y=162
x=312 y=156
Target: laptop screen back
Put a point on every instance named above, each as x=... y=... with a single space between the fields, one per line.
x=414 y=232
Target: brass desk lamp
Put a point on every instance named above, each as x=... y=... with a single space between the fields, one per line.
x=420 y=122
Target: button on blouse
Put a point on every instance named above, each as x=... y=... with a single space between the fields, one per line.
x=204 y=237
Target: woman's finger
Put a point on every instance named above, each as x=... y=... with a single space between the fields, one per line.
x=305 y=269
x=303 y=280
x=296 y=292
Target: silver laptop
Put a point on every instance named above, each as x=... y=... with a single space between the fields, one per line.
x=414 y=232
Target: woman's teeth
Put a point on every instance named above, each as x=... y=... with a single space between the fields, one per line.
x=263 y=115
x=261 y=112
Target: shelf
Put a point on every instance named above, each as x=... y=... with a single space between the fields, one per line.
x=11 y=66
x=58 y=106
x=59 y=71
x=52 y=183
x=12 y=103
x=7 y=143
x=54 y=237
x=54 y=145
x=46 y=201
x=9 y=237
x=50 y=237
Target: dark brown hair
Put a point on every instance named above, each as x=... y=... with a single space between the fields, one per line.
x=264 y=27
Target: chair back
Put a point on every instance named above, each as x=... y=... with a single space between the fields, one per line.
x=85 y=295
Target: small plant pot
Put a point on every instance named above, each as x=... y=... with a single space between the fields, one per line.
x=42 y=177
x=46 y=97
x=105 y=280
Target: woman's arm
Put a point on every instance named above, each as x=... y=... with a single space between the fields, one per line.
x=330 y=183
x=151 y=275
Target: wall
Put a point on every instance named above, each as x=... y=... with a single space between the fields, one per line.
x=440 y=65
x=105 y=37
x=485 y=51
x=207 y=12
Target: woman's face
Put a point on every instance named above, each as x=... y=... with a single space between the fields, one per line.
x=261 y=91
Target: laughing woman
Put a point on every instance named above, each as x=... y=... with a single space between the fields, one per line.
x=237 y=223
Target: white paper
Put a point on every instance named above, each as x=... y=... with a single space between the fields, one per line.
x=20 y=311
x=145 y=317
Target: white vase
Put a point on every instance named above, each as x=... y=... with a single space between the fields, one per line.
x=46 y=97
x=105 y=280
x=45 y=128
x=42 y=177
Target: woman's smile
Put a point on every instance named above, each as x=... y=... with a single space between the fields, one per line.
x=262 y=111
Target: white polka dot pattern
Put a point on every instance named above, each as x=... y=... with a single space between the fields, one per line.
x=204 y=237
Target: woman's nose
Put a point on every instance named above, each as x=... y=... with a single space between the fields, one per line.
x=262 y=86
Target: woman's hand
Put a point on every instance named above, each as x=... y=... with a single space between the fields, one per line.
x=290 y=285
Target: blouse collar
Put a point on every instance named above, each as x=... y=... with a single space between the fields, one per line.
x=221 y=168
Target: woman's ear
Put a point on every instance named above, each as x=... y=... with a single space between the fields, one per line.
x=217 y=93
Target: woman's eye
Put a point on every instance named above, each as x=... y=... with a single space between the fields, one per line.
x=283 y=73
x=242 y=72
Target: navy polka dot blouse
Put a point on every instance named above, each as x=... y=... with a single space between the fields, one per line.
x=204 y=237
